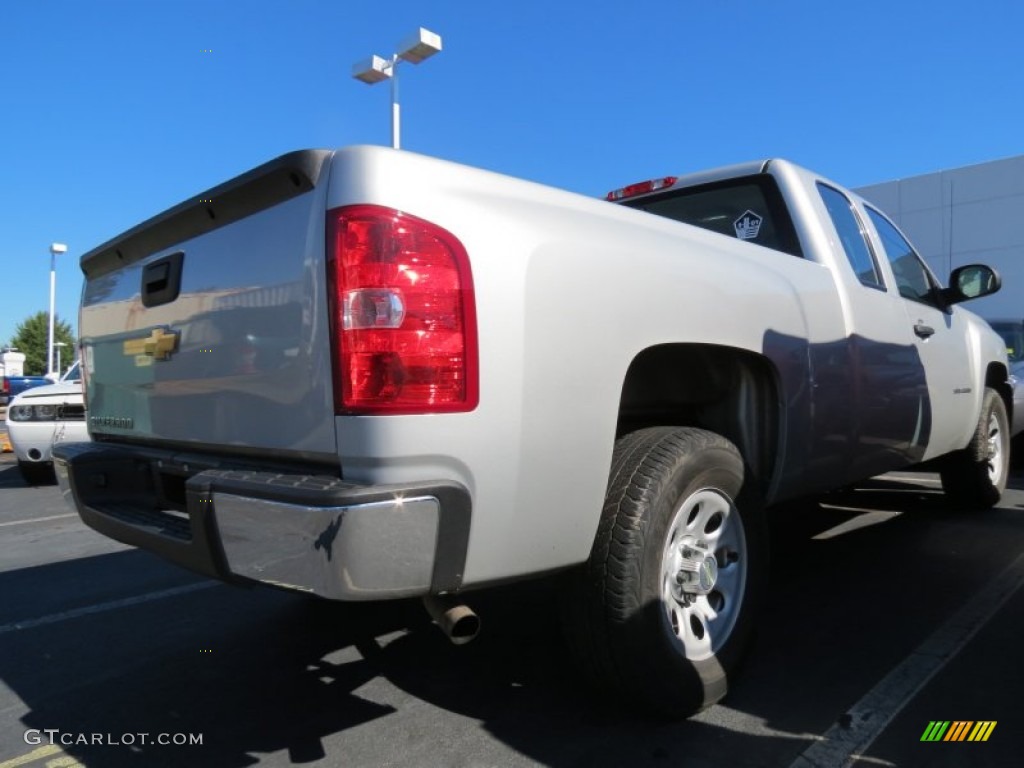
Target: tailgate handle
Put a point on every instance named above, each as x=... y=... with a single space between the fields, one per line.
x=161 y=280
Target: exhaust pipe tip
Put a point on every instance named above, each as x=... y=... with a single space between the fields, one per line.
x=458 y=621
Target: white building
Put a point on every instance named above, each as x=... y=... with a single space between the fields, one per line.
x=963 y=216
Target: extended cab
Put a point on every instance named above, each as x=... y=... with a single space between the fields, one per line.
x=367 y=374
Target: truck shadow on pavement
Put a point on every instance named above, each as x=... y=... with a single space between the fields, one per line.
x=10 y=477
x=259 y=672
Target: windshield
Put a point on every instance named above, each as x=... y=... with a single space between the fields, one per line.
x=1013 y=337
x=73 y=374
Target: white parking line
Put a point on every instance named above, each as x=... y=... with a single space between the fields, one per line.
x=911 y=477
x=38 y=520
x=103 y=607
x=35 y=755
x=866 y=719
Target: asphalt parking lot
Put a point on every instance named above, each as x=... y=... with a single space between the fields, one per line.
x=886 y=612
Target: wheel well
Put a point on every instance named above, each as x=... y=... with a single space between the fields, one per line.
x=731 y=392
x=997 y=377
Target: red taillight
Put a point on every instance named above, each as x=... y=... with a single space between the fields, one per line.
x=403 y=314
x=641 y=188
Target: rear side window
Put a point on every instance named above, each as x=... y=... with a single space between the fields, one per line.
x=750 y=208
x=851 y=235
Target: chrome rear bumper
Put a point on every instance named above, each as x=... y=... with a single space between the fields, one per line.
x=309 y=533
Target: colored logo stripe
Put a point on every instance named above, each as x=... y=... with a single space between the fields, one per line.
x=982 y=730
x=958 y=730
x=935 y=730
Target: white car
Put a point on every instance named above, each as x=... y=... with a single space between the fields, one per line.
x=41 y=417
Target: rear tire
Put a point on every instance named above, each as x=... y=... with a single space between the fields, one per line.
x=662 y=612
x=37 y=474
x=976 y=476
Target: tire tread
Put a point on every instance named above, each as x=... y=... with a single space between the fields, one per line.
x=606 y=594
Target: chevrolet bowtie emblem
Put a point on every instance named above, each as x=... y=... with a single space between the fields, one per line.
x=159 y=345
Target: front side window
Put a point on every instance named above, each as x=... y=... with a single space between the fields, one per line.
x=913 y=279
x=855 y=244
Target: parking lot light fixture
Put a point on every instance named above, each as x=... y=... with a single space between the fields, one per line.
x=416 y=48
x=55 y=250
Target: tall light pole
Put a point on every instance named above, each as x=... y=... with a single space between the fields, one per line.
x=419 y=46
x=57 y=345
x=55 y=248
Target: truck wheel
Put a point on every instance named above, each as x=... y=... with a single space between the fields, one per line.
x=36 y=474
x=976 y=476
x=662 y=611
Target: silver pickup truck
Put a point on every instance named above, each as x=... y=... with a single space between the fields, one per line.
x=368 y=374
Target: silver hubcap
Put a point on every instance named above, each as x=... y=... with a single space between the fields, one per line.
x=703 y=572
x=995 y=451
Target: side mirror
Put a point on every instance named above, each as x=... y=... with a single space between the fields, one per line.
x=971 y=282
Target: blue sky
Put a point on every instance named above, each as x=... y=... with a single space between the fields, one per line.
x=113 y=110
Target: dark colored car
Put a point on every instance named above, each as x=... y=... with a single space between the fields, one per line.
x=15 y=385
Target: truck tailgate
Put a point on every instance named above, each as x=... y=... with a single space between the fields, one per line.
x=207 y=325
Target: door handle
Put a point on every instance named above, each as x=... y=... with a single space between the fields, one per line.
x=924 y=331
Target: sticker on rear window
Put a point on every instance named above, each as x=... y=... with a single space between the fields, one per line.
x=748 y=226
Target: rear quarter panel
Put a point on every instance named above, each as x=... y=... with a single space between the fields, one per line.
x=569 y=290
